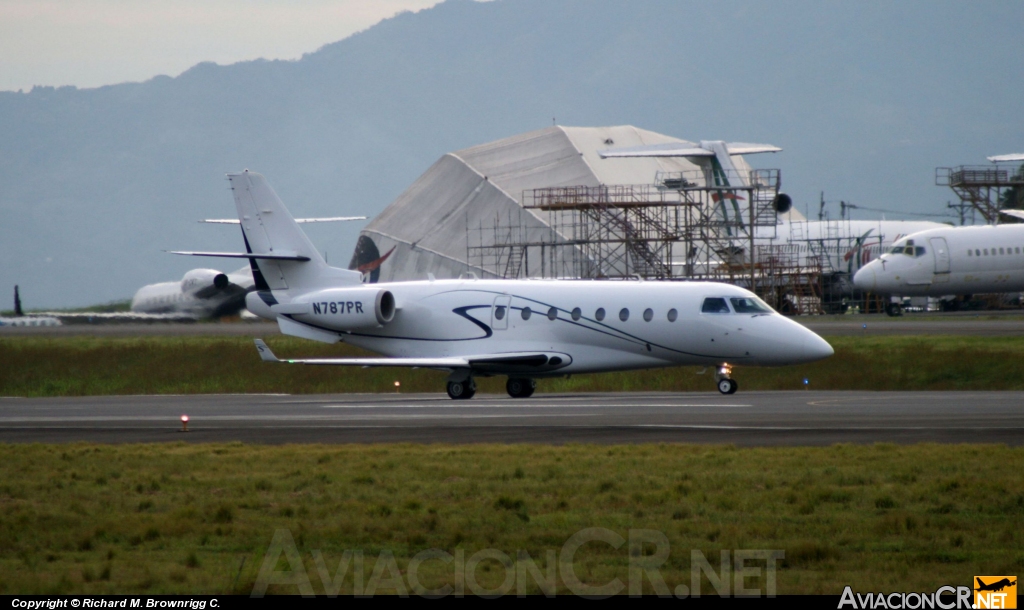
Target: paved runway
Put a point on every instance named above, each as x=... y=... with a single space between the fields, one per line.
x=746 y=418
x=995 y=323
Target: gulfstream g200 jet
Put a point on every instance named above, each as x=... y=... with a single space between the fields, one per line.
x=522 y=329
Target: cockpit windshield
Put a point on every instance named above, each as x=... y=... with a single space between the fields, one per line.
x=908 y=249
x=750 y=305
x=715 y=305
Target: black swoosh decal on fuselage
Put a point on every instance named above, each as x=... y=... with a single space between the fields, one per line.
x=463 y=312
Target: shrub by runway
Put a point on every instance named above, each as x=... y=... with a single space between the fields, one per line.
x=80 y=366
x=176 y=518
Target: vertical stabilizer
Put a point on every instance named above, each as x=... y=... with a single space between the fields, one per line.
x=268 y=228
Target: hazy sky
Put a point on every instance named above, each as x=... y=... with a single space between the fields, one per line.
x=89 y=43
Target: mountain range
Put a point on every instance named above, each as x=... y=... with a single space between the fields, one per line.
x=866 y=99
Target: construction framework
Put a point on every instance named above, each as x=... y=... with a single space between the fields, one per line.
x=706 y=224
x=985 y=188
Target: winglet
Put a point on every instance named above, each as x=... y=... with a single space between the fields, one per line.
x=265 y=354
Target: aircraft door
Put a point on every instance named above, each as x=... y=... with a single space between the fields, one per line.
x=500 y=311
x=940 y=250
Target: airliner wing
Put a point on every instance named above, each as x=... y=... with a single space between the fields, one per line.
x=1013 y=213
x=519 y=361
x=685 y=149
x=1013 y=157
x=673 y=149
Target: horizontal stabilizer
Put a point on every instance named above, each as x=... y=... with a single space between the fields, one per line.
x=280 y=256
x=235 y=221
x=1013 y=213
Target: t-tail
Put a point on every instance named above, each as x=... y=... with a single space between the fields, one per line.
x=281 y=256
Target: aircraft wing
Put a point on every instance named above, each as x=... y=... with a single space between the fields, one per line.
x=672 y=149
x=524 y=361
x=1013 y=213
x=685 y=149
x=235 y=221
x=1013 y=157
x=446 y=363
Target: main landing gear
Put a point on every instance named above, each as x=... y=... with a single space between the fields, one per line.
x=462 y=390
x=726 y=384
x=520 y=388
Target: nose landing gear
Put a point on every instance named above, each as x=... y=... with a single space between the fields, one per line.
x=723 y=377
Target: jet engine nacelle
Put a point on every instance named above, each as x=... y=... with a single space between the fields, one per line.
x=343 y=308
x=782 y=203
x=198 y=279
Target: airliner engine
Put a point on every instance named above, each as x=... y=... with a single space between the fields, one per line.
x=199 y=279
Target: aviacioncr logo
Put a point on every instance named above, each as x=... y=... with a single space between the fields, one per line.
x=367 y=259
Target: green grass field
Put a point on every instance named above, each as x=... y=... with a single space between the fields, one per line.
x=82 y=366
x=177 y=518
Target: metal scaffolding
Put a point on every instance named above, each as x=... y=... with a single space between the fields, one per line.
x=985 y=188
x=708 y=224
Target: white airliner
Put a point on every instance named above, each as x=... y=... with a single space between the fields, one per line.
x=950 y=261
x=522 y=329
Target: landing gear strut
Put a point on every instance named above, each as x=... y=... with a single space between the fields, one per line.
x=894 y=309
x=726 y=384
x=462 y=390
x=520 y=388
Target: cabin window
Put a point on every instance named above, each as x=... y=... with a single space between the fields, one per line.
x=648 y=314
x=977 y=253
x=526 y=313
x=577 y=313
x=672 y=315
x=552 y=314
x=747 y=305
x=499 y=312
x=714 y=305
x=623 y=314
x=599 y=314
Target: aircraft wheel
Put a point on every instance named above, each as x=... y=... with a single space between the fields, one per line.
x=461 y=390
x=520 y=388
x=728 y=386
x=894 y=309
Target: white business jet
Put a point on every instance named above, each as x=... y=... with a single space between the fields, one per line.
x=207 y=293
x=523 y=329
x=950 y=261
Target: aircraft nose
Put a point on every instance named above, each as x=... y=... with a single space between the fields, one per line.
x=865 y=278
x=817 y=348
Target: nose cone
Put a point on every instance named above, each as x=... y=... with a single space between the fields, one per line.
x=816 y=348
x=865 y=278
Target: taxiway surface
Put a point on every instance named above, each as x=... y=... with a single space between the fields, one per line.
x=746 y=418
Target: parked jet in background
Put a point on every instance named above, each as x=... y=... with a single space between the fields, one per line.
x=524 y=329
x=949 y=261
x=202 y=293
x=207 y=293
